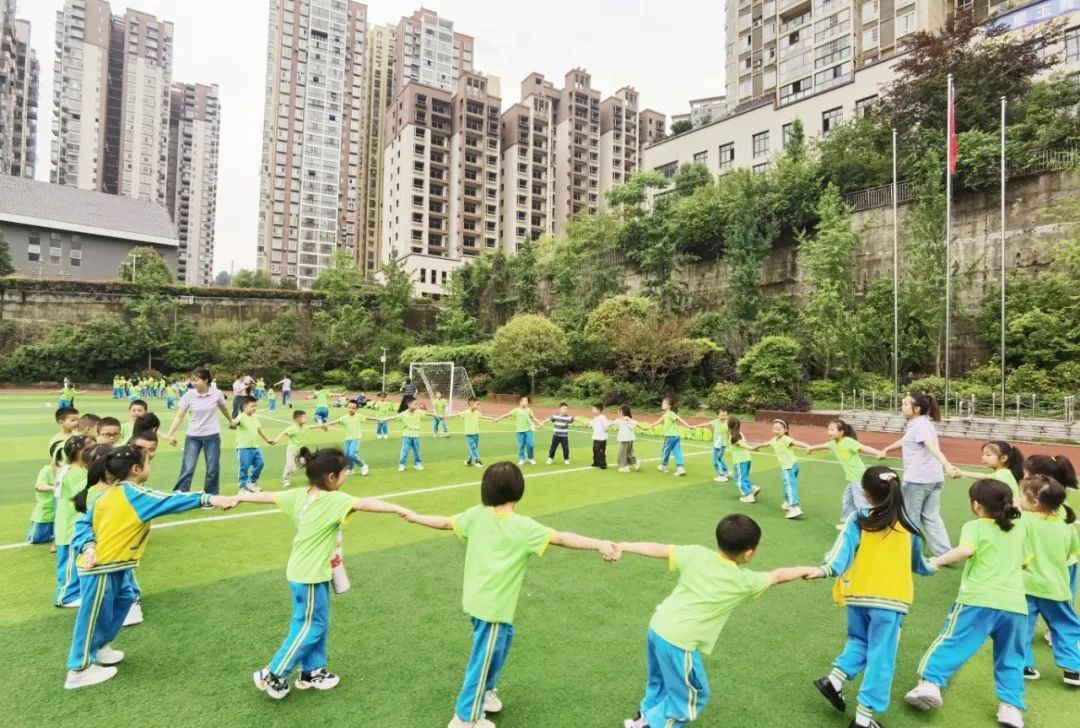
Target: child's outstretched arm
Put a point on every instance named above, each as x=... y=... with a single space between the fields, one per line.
x=958 y=473
x=265 y=497
x=439 y=523
x=793 y=573
x=641 y=548
x=815 y=448
x=374 y=505
x=568 y=540
x=262 y=434
x=800 y=443
x=962 y=552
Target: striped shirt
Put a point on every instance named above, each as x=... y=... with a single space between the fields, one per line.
x=560 y=425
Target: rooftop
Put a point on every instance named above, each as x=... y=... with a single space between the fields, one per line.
x=57 y=207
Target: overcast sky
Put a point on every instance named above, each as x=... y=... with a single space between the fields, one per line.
x=670 y=53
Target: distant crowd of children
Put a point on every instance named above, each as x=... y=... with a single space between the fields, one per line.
x=1019 y=552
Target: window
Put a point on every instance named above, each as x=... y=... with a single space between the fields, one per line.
x=785 y=134
x=760 y=168
x=1072 y=44
x=870 y=39
x=668 y=170
x=831 y=119
x=869 y=11
x=906 y=23
x=701 y=157
x=33 y=250
x=727 y=156
x=760 y=144
x=864 y=105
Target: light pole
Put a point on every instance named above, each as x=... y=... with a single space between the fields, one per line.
x=383 y=360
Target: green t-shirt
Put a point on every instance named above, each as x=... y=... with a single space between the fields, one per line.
x=439 y=405
x=470 y=422
x=322 y=399
x=994 y=576
x=1005 y=476
x=67 y=393
x=352 y=425
x=385 y=408
x=739 y=453
x=721 y=433
x=785 y=455
x=499 y=547
x=670 y=422
x=1053 y=544
x=73 y=481
x=709 y=589
x=318 y=518
x=295 y=435
x=44 y=502
x=60 y=438
x=126 y=430
x=410 y=423
x=847 y=454
x=522 y=419
x=247 y=432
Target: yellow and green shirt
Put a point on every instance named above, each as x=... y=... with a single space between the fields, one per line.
x=318 y=518
x=994 y=576
x=295 y=435
x=247 y=432
x=721 y=433
x=785 y=455
x=44 y=501
x=72 y=481
x=523 y=417
x=470 y=422
x=352 y=424
x=670 y=423
x=322 y=399
x=410 y=423
x=739 y=453
x=709 y=589
x=499 y=547
x=847 y=454
x=1005 y=476
x=1053 y=545
x=439 y=406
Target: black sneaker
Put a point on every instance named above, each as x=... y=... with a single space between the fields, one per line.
x=468 y=463
x=1072 y=677
x=872 y=724
x=1030 y=673
x=834 y=696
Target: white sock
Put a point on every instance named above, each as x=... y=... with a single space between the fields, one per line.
x=837 y=684
x=861 y=719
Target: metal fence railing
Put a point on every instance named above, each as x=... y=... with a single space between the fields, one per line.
x=1015 y=407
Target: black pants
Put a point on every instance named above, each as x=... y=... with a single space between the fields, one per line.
x=557 y=440
x=405 y=403
x=599 y=454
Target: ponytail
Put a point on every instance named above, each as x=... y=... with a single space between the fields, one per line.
x=75 y=449
x=322 y=463
x=1014 y=459
x=882 y=487
x=1058 y=467
x=734 y=430
x=1048 y=493
x=927 y=405
x=95 y=474
x=996 y=499
x=845 y=429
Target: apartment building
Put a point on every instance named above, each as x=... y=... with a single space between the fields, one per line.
x=619 y=146
x=651 y=127
x=18 y=94
x=194 y=133
x=577 y=149
x=428 y=51
x=378 y=91
x=703 y=110
x=528 y=163
x=441 y=177
x=309 y=201
x=111 y=89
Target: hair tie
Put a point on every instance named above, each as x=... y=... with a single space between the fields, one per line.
x=888 y=476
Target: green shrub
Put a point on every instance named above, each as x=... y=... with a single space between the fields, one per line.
x=988 y=375
x=772 y=365
x=1067 y=376
x=394 y=380
x=336 y=378
x=591 y=385
x=754 y=397
x=1027 y=379
x=474 y=357
x=822 y=390
x=930 y=385
x=481 y=383
x=725 y=395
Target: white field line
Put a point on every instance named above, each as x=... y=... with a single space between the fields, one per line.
x=402 y=494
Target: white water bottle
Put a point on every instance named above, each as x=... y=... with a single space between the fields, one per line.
x=339 y=578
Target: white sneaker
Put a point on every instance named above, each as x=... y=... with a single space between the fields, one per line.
x=624 y=470
x=721 y=478
x=521 y=462
x=492 y=704
x=418 y=466
x=107 y=656
x=401 y=468
x=786 y=506
x=459 y=723
x=924 y=696
x=550 y=461
x=134 y=616
x=794 y=512
x=364 y=469
x=748 y=498
x=637 y=465
x=565 y=462
x=72 y=605
x=93 y=675
x=680 y=471
x=755 y=490
x=662 y=468
x=840 y=527
x=285 y=484
x=350 y=471
x=319 y=679
x=1010 y=715
x=478 y=464
x=532 y=462
x=254 y=488
x=638 y=722
x=274 y=687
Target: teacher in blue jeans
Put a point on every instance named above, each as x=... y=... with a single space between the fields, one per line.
x=204 y=432
x=925 y=467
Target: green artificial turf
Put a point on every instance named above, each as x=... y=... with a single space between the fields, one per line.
x=216 y=601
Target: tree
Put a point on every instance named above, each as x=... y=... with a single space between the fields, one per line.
x=6 y=266
x=750 y=225
x=629 y=197
x=856 y=155
x=606 y=323
x=186 y=348
x=153 y=319
x=393 y=295
x=252 y=279
x=343 y=323
x=772 y=364
x=653 y=348
x=681 y=126
x=523 y=268
x=528 y=344
x=144 y=266
x=691 y=177
x=222 y=279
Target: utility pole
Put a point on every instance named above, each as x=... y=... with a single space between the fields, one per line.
x=383 y=360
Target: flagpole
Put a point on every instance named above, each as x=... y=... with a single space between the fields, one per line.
x=896 y=277
x=951 y=124
x=1003 y=173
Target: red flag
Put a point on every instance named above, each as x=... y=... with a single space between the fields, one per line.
x=952 y=129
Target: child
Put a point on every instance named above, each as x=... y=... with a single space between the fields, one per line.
x=560 y=433
x=740 y=461
x=672 y=442
x=688 y=623
x=1005 y=462
x=318 y=512
x=383 y=410
x=352 y=421
x=525 y=425
x=247 y=447
x=171 y=394
x=991 y=603
x=721 y=441
x=627 y=428
x=136 y=409
x=44 y=514
x=411 y=419
x=67 y=418
x=600 y=425
x=322 y=404
x=470 y=425
x=88 y=425
x=1060 y=468
x=108 y=431
x=846 y=447
x=110 y=539
x=67 y=395
x=295 y=433
x=70 y=479
x=500 y=543
x=438 y=419
x=271 y=396
x=782 y=445
x=1054 y=541
x=872 y=561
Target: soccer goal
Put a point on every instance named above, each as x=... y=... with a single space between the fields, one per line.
x=442 y=376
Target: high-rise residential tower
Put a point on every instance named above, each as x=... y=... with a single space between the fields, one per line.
x=620 y=151
x=378 y=91
x=428 y=51
x=528 y=163
x=194 y=131
x=18 y=94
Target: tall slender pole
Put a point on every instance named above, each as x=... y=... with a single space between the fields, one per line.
x=948 y=244
x=1003 y=176
x=383 y=358
x=896 y=278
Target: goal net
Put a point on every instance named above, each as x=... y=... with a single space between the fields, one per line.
x=443 y=376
